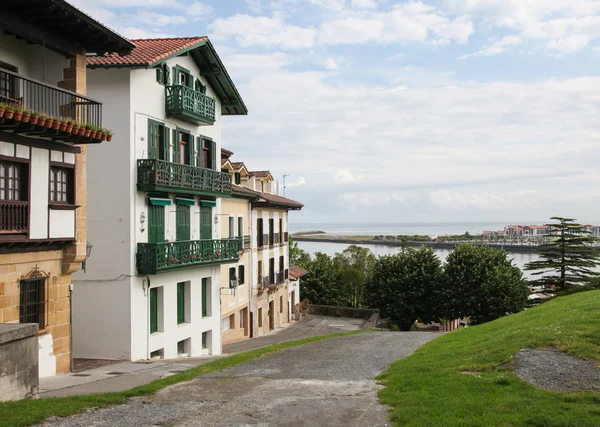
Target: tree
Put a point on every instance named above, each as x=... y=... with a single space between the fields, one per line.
x=568 y=257
x=355 y=267
x=481 y=283
x=404 y=286
x=322 y=284
x=298 y=256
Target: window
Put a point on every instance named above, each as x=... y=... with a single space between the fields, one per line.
x=183 y=78
x=226 y=324
x=9 y=88
x=231 y=275
x=206 y=296
x=158 y=141
x=31 y=308
x=181 y=291
x=162 y=74
x=281 y=304
x=182 y=222
x=271 y=270
x=238 y=178
x=231 y=227
x=259 y=232
x=156 y=223
x=260 y=271
x=280 y=230
x=153 y=310
x=61 y=185
x=240 y=226
x=281 y=268
x=241 y=275
x=242 y=319
x=271 y=231
x=205 y=340
x=205 y=222
x=260 y=317
x=13 y=181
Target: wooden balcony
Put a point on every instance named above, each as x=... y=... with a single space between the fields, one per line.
x=158 y=175
x=189 y=105
x=14 y=217
x=155 y=258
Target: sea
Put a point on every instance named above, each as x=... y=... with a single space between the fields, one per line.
x=403 y=228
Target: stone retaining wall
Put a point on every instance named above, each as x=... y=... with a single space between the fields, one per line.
x=18 y=361
x=356 y=313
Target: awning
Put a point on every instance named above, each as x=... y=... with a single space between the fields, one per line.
x=208 y=203
x=159 y=201
x=186 y=202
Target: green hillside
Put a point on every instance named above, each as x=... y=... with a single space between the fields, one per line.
x=432 y=388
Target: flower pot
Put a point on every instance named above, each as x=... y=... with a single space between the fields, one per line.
x=41 y=121
x=109 y=137
x=87 y=132
x=34 y=119
x=2 y=109
x=99 y=136
x=81 y=131
x=49 y=123
x=68 y=128
x=26 y=117
x=56 y=124
x=63 y=127
x=93 y=134
x=8 y=113
x=75 y=130
x=17 y=116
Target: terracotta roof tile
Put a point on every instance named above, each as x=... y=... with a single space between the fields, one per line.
x=237 y=165
x=146 y=51
x=244 y=190
x=272 y=198
x=297 y=272
x=260 y=174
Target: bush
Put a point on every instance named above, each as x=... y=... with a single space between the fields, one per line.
x=395 y=328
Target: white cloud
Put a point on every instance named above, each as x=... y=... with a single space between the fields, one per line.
x=364 y=4
x=404 y=23
x=198 y=10
x=331 y=64
x=299 y=182
x=345 y=176
x=335 y=5
x=361 y=199
x=263 y=31
x=495 y=49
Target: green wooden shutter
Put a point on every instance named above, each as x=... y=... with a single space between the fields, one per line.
x=175 y=146
x=156 y=224
x=204 y=297
x=180 y=303
x=241 y=274
x=213 y=155
x=166 y=73
x=205 y=222
x=167 y=145
x=200 y=151
x=182 y=220
x=153 y=310
x=152 y=139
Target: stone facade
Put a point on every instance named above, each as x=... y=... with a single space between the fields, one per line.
x=18 y=361
x=275 y=299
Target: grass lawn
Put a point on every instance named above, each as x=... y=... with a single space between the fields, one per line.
x=429 y=388
x=32 y=411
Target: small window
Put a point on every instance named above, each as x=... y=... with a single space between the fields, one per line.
x=183 y=78
x=13 y=181
x=61 y=185
x=32 y=299
x=281 y=304
x=238 y=178
x=242 y=319
x=181 y=302
x=231 y=227
x=241 y=275
x=260 y=318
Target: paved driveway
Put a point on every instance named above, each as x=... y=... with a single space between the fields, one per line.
x=327 y=383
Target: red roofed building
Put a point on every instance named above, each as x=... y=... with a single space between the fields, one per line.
x=158 y=231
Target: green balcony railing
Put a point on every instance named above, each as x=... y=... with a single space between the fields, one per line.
x=190 y=105
x=158 y=175
x=154 y=258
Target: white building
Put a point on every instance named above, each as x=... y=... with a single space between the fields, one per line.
x=152 y=283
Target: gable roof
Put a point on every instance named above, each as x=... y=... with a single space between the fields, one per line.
x=226 y=153
x=149 y=53
x=297 y=272
x=261 y=174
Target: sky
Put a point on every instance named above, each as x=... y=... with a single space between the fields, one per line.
x=393 y=111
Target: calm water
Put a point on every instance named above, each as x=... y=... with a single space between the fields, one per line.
x=519 y=259
x=405 y=228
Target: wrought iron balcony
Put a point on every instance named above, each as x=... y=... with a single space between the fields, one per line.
x=158 y=175
x=190 y=105
x=31 y=99
x=155 y=258
x=245 y=242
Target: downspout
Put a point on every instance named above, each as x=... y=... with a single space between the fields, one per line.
x=71 y=325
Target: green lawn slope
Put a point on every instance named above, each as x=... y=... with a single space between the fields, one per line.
x=433 y=388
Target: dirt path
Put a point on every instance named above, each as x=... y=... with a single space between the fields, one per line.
x=327 y=383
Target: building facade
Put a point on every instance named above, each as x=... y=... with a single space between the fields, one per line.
x=155 y=217
x=43 y=191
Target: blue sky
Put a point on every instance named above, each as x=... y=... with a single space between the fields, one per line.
x=381 y=110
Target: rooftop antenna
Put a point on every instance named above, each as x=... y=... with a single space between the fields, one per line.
x=284 y=184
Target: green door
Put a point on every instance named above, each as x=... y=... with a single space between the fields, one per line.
x=205 y=222
x=156 y=224
x=180 y=303
x=182 y=223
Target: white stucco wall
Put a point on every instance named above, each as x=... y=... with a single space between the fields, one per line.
x=62 y=224
x=40 y=163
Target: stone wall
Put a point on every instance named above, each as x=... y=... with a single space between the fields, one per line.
x=57 y=318
x=279 y=297
x=18 y=361
x=356 y=313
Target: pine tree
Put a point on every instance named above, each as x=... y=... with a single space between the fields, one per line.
x=568 y=258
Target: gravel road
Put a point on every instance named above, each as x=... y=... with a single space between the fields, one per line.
x=327 y=383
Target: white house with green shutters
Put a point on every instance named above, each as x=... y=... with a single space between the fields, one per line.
x=151 y=286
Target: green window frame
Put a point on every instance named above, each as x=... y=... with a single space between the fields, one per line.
x=177 y=71
x=180 y=303
x=153 y=310
x=241 y=275
x=182 y=222
x=238 y=178
x=156 y=223
x=205 y=223
x=204 y=297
